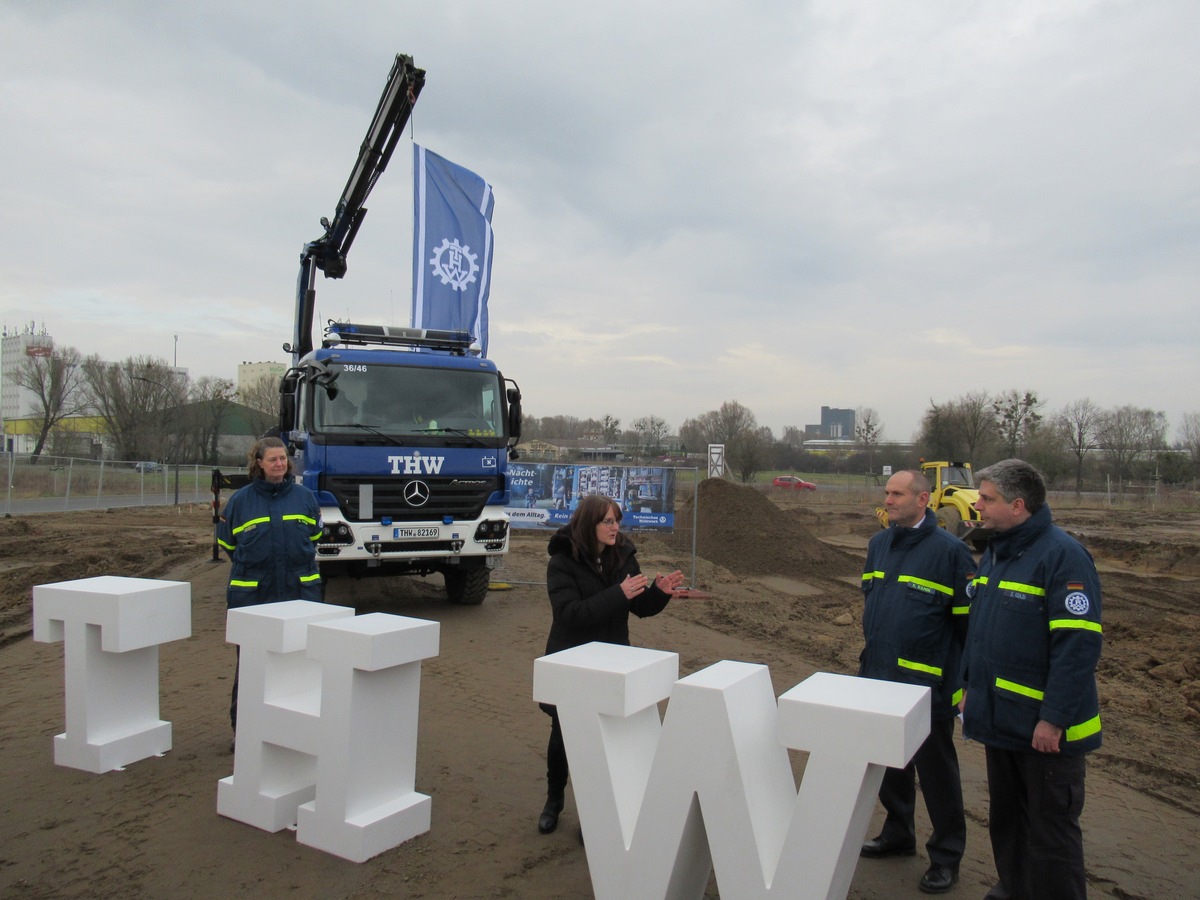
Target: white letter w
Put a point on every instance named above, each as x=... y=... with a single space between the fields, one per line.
x=711 y=786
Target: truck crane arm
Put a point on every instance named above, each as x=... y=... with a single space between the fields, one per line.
x=328 y=252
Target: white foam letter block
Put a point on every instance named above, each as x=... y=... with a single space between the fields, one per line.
x=853 y=728
x=662 y=805
x=367 y=760
x=279 y=712
x=111 y=628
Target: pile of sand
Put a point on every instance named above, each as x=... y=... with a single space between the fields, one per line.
x=740 y=529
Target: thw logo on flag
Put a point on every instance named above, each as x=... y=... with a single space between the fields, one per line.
x=452 y=246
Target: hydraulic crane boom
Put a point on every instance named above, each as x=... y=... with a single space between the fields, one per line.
x=328 y=252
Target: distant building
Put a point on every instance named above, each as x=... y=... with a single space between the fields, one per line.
x=250 y=373
x=17 y=402
x=836 y=424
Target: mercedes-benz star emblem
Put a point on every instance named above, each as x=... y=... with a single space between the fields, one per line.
x=416 y=493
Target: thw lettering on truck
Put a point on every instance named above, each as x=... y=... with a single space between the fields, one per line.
x=709 y=787
x=416 y=464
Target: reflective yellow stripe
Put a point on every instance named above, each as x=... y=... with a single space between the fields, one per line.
x=960 y=610
x=226 y=545
x=1022 y=588
x=921 y=582
x=233 y=582
x=1084 y=729
x=919 y=667
x=867 y=576
x=1020 y=689
x=982 y=579
x=300 y=517
x=316 y=576
x=316 y=537
x=957 y=698
x=246 y=525
x=1082 y=624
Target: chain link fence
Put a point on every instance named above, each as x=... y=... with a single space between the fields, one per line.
x=59 y=483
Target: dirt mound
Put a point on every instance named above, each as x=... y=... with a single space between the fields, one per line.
x=740 y=529
x=38 y=549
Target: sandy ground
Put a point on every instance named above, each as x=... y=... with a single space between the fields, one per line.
x=783 y=572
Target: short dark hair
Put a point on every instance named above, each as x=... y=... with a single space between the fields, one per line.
x=1016 y=479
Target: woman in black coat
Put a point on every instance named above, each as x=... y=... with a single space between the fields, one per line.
x=594 y=583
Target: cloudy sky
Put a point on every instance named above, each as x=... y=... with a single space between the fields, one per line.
x=787 y=203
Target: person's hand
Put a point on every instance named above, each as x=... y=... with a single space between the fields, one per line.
x=1046 y=737
x=634 y=585
x=669 y=584
x=962 y=702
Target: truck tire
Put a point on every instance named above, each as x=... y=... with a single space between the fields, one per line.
x=951 y=519
x=466 y=585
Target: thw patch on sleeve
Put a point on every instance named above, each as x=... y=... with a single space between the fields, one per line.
x=1077 y=602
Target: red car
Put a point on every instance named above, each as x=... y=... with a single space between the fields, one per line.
x=792 y=482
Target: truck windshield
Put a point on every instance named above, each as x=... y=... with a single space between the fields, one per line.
x=411 y=401
x=957 y=475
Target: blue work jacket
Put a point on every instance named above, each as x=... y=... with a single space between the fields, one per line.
x=270 y=532
x=1034 y=640
x=915 y=610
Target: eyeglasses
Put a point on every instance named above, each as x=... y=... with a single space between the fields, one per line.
x=610 y=522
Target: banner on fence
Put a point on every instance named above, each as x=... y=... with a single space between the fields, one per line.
x=543 y=495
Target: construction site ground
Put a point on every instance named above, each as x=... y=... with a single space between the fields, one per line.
x=783 y=572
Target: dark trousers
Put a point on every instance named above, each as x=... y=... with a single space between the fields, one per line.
x=1035 y=802
x=557 y=770
x=936 y=764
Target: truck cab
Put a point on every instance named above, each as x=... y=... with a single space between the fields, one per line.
x=406 y=447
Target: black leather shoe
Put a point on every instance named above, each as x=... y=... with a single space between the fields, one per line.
x=548 y=820
x=938 y=879
x=878 y=847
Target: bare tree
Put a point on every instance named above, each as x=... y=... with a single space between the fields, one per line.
x=205 y=414
x=1077 y=424
x=56 y=381
x=959 y=429
x=749 y=451
x=732 y=425
x=650 y=430
x=1017 y=417
x=1189 y=439
x=611 y=427
x=793 y=437
x=868 y=432
x=1126 y=433
x=262 y=397
x=140 y=400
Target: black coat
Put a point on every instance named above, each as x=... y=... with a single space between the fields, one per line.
x=588 y=603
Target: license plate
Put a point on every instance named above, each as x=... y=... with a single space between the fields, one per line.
x=400 y=534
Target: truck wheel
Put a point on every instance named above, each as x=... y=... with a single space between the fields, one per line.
x=949 y=518
x=466 y=585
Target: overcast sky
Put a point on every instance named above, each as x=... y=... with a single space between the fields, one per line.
x=789 y=204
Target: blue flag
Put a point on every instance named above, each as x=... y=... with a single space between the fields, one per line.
x=452 y=247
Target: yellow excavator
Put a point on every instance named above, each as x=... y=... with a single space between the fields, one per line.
x=952 y=497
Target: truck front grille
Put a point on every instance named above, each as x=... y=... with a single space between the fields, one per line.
x=448 y=496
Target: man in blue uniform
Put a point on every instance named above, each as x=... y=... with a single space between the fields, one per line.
x=1029 y=672
x=914 y=622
